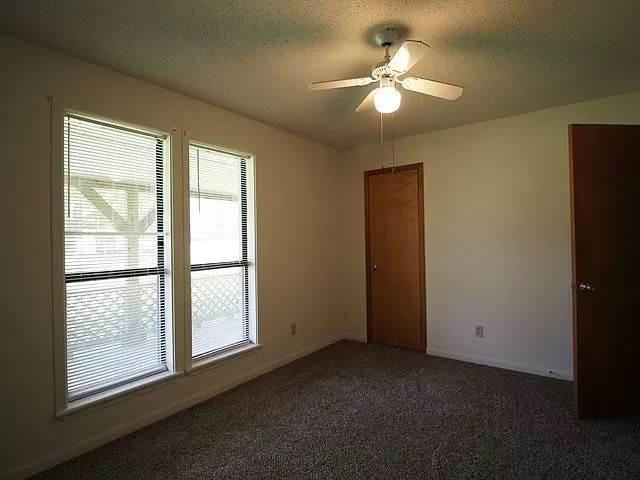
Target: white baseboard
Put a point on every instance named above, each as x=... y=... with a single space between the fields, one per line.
x=107 y=436
x=437 y=352
x=356 y=337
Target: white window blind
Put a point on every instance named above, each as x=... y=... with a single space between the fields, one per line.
x=115 y=242
x=219 y=214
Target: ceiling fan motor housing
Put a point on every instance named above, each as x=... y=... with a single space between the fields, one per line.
x=380 y=70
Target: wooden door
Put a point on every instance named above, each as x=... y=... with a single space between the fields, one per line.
x=605 y=177
x=394 y=217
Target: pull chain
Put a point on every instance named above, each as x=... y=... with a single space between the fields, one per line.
x=381 y=143
x=393 y=142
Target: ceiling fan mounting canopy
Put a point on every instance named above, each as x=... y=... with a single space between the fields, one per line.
x=387 y=36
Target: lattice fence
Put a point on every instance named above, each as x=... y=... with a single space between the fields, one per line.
x=213 y=298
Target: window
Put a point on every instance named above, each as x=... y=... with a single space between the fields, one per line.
x=116 y=248
x=221 y=226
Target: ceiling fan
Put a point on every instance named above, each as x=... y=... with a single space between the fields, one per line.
x=386 y=98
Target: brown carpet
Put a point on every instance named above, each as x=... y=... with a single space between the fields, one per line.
x=355 y=411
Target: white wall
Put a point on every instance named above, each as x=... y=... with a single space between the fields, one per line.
x=298 y=276
x=497 y=229
x=497 y=220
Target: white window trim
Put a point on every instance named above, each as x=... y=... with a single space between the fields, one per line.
x=63 y=407
x=223 y=356
x=118 y=394
x=195 y=365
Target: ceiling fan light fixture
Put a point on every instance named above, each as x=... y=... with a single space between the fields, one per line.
x=387 y=99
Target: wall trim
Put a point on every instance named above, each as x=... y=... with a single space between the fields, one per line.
x=356 y=337
x=492 y=362
x=41 y=464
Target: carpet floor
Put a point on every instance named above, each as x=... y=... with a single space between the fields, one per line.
x=356 y=411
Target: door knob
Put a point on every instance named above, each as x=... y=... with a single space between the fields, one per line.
x=373 y=267
x=585 y=287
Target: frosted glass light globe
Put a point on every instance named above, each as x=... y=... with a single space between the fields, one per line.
x=387 y=100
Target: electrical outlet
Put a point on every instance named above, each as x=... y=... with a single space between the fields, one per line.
x=292 y=329
x=479 y=331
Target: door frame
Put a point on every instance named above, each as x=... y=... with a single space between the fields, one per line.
x=421 y=243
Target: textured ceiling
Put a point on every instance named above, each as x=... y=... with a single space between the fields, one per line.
x=257 y=57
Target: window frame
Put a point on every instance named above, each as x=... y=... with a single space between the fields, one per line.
x=63 y=405
x=248 y=260
x=177 y=257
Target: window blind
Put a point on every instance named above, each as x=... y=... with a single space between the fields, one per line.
x=219 y=250
x=115 y=277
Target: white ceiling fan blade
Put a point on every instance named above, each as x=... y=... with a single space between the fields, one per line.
x=351 y=82
x=367 y=103
x=433 y=88
x=409 y=53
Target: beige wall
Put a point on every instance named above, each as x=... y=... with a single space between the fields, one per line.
x=497 y=234
x=298 y=276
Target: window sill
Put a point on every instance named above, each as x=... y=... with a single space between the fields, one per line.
x=139 y=387
x=118 y=394
x=220 y=358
